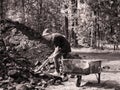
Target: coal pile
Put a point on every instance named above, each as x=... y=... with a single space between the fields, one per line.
x=18 y=57
x=18 y=72
x=17 y=64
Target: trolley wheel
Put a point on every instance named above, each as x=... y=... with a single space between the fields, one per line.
x=99 y=76
x=78 y=82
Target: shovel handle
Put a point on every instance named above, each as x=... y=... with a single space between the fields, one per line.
x=43 y=64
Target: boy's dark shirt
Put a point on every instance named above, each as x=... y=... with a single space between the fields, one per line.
x=58 y=40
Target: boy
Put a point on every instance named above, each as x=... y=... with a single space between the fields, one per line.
x=61 y=47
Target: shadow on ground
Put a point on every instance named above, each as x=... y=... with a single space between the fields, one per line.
x=109 y=84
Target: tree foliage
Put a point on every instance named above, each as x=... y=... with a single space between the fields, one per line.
x=39 y=14
x=99 y=20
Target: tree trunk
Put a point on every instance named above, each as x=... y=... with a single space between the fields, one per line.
x=1 y=9
x=23 y=11
x=40 y=26
x=66 y=27
x=91 y=40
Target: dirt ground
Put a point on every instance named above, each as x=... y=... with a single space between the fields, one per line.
x=109 y=81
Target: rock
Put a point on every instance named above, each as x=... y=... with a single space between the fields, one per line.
x=51 y=82
x=39 y=84
x=10 y=79
x=11 y=88
x=3 y=82
x=39 y=88
x=1 y=88
x=32 y=82
x=21 y=87
x=13 y=73
x=1 y=78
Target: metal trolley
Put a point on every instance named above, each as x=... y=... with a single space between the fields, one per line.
x=81 y=67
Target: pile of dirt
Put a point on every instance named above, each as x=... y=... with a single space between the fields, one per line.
x=18 y=43
x=19 y=57
x=17 y=73
x=23 y=40
x=18 y=60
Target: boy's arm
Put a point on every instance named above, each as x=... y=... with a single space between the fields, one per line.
x=55 y=53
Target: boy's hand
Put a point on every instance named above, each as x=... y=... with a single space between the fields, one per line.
x=50 y=57
x=55 y=53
